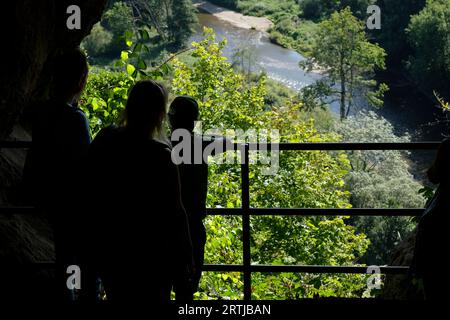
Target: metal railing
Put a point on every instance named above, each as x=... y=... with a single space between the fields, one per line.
x=246 y=211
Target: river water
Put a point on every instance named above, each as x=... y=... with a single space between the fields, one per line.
x=279 y=63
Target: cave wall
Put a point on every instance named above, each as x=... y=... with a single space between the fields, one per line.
x=32 y=31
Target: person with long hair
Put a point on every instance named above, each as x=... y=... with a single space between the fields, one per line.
x=138 y=234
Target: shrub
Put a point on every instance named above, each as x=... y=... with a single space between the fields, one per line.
x=311 y=9
x=98 y=42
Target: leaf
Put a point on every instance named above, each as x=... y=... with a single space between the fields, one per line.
x=124 y=55
x=144 y=34
x=119 y=63
x=165 y=68
x=143 y=73
x=128 y=35
x=94 y=104
x=445 y=105
x=130 y=69
x=141 y=64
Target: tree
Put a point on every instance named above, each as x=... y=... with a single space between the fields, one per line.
x=392 y=36
x=312 y=179
x=305 y=179
x=341 y=48
x=232 y=4
x=98 y=41
x=313 y=9
x=118 y=20
x=429 y=35
x=379 y=179
x=174 y=20
x=244 y=59
x=181 y=22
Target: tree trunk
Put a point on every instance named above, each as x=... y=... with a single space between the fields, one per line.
x=343 y=88
x=343 y=93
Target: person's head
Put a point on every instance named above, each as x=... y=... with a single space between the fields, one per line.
x=183 y=113
x=439 y=173
x=70 y=71
x=146 y=108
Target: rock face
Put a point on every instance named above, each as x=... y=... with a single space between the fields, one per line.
x=32 y=32
x=37 y=31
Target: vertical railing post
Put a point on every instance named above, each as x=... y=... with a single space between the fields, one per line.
x=245 y=198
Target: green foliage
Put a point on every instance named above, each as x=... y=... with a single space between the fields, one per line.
x=277 y=94
x=173 y=20
x=105 y=97
x=395 y=19
x=213 y=82
x=118 y=20
x=311 y=9
x=342 y=48
x=107 y=91
x=98 y=41
x=181 y=22
x=305 y=179
x=379 y=179
x=318 y=10
x=232 y=4
x=288 y=30
x=168 y=23
x=428 y=33
x=293 y=27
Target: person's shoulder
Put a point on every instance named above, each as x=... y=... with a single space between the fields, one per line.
x=78 y=111
x=108 y=132
x=70 y=113
x=164 y=146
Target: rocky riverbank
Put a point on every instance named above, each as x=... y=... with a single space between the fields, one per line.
x=237 y=19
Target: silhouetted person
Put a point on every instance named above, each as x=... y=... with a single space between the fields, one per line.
x=55 y=162
x=432 y=237
x=139 y=236
x=183 y=114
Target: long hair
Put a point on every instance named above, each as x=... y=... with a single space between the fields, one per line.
x=146 y=108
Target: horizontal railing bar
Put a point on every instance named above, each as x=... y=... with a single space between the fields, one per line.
x=303 y=268
x=358 y=146
x=253 y=268
x=427 y=145
x=18 y=210
x=278 y=212
x=317 y=212
x=28 y=266
x=430 y=145
x=15 y=144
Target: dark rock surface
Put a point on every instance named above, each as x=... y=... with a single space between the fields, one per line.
x=32 y=32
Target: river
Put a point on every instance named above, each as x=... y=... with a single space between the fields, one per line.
x=407 y=110
x=279 y=63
